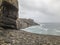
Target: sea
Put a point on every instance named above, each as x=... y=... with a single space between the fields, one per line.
x=45 y=28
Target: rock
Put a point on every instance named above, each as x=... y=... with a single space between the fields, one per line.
x=1 y=28
x=9 y=16
x=21 y=37
x=8 y=13
x=24 y=23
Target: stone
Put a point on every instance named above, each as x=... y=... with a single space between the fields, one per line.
x=8 y=14
x=24 y=23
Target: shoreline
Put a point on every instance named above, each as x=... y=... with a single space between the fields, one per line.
x=19 y=37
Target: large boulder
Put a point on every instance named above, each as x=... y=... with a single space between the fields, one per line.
x=8 y=13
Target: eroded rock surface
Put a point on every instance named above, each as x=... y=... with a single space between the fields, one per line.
x=9 y=16
x=24 y=23
x=8 y=13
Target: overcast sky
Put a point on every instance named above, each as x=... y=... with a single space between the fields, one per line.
x=40 y=10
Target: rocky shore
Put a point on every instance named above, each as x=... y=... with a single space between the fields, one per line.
x=24 y=23
x=9 y=19
x=9 y=16
x=21 y=24
x=19 y=37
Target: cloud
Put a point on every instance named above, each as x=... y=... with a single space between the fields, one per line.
x=40 y=10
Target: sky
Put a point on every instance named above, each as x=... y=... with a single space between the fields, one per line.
x=42 y=11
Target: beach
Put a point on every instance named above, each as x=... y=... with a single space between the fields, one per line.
x=20 y=37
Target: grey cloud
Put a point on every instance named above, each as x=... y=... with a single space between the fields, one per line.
x=43 y=9
x=50 y=11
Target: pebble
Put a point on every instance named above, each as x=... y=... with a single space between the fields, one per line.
x=25 y=38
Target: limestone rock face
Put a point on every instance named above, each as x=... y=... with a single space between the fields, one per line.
x=8 y=13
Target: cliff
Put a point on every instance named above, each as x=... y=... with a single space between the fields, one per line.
x=9 y=16
x=24 y=23
x=8 y=13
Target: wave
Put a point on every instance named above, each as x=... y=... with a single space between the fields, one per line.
x=48 y=29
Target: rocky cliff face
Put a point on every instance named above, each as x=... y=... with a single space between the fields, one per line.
x=24 y=23
x=9 y=16
x=8 y=13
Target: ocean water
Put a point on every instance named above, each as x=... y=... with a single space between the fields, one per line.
x=45 y=28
